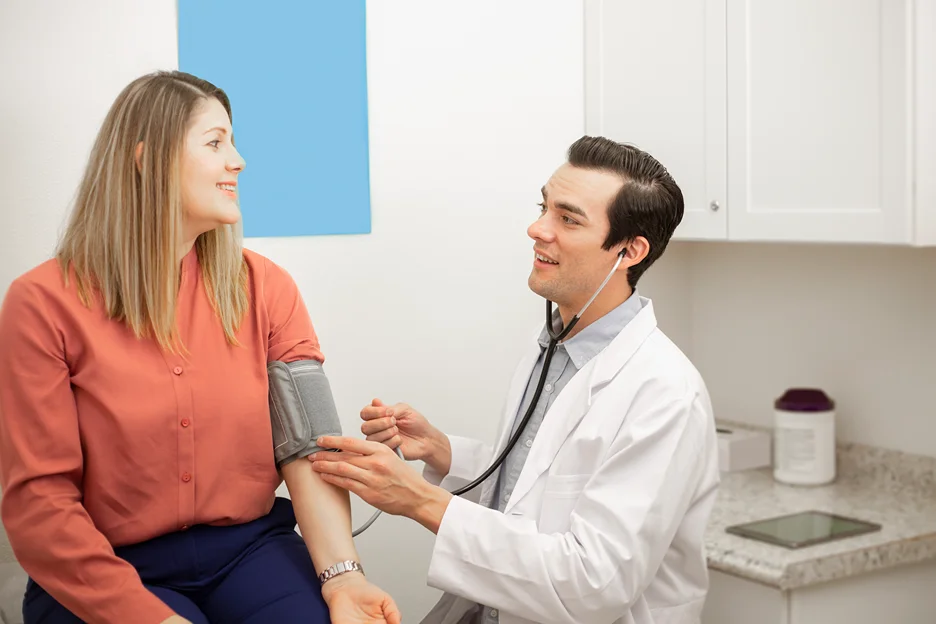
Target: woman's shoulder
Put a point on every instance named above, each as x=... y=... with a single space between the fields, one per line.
x=269 y=276
x=263 y=266
x=46 y=278
x=40 y=290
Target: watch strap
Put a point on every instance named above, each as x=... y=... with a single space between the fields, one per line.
x=340 y=568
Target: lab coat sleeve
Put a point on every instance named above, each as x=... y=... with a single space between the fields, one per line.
x=621 y=527
x=469 y=459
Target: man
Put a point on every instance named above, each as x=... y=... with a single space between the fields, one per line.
x=599 y=511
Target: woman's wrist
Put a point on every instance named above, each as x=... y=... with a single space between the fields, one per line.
x=334 y=585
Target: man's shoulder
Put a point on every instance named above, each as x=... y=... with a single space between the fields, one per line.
x=662 y=358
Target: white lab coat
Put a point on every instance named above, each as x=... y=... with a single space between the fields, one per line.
x=606 y=522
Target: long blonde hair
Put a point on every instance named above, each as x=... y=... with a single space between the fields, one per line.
x=124 y=231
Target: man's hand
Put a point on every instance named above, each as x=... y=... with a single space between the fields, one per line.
x=402 y=426
x=352 y=599
x=381 y=479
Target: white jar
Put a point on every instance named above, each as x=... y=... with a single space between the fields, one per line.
x=804 y=437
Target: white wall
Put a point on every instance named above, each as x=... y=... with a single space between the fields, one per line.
x=471 y=108
x=857 y=321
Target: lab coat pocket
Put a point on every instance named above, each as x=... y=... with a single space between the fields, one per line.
x=559 y=497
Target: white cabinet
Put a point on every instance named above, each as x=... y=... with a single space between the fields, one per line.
x=901 y=594
x=782 y=120
x=655 y=77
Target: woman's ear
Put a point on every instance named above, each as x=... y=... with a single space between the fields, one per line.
x=138 y=155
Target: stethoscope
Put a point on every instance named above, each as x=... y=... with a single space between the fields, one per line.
x=555 y=337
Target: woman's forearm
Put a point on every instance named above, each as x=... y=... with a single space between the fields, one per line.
x=323 y=512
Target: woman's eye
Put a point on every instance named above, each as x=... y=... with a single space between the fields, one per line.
x=214 y=143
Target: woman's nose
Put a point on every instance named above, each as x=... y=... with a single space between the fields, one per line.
x=236 y=163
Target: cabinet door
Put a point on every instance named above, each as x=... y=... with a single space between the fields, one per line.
x=655 y=77
x=817 y=120
x=924 y=127
x=733 y=600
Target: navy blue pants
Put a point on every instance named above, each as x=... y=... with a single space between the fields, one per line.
x=253 y=573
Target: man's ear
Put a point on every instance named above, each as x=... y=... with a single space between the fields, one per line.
x=634 y=252
x=138 y=156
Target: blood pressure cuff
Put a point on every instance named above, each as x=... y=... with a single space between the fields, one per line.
x=301 y=409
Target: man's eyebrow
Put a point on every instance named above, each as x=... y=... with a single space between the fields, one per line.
x=567 y=207
x=573 y=209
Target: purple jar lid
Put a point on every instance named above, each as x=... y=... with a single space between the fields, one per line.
x=804 y=400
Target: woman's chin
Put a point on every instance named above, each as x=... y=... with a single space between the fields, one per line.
x=229 y=217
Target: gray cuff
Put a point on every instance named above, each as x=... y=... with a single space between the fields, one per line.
x=301 y=409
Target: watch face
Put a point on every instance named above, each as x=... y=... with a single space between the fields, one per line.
x=803 y=529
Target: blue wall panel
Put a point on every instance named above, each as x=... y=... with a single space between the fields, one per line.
x=296 y=75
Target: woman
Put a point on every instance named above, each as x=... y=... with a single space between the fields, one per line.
x=135 y=444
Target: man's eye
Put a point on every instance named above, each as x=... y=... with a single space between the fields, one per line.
x=542 y=206
x=569 y=220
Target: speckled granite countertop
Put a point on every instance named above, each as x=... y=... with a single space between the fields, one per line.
x=895 y=490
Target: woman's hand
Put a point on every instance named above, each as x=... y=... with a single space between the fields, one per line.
x=176 y=619
x=352 y=599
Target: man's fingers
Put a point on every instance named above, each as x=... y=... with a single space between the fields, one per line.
x=370 y=412
x=361 y=447
x=348 y=458
x=348 y=469
x=370 y=427
x=383 y=436
x=351 y=485
x=394 y=442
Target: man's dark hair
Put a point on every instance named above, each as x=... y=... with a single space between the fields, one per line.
x=649 y=204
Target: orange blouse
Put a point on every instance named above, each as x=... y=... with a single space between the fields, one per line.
x=107 y=440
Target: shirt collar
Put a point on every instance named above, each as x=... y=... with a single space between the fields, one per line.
x=589 y=342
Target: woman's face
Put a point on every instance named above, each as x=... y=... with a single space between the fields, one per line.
x=209 y=168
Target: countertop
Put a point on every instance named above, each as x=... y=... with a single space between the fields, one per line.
x=895 y=490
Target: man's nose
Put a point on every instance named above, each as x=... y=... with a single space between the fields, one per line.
x=540 y=230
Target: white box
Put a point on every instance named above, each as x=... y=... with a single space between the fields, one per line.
x=742 y=449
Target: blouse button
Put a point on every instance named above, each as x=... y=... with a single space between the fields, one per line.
x=177 y=370
x=186 y=477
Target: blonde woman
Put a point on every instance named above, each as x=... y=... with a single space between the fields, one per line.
x=135 y=444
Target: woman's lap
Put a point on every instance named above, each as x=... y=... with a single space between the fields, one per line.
x=275 y=582
x=44 y=609
x=250 y=574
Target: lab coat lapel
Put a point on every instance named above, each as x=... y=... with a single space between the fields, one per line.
x=575 y=399
x=518 y=386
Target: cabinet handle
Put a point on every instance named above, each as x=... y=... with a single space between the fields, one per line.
x=714 y=206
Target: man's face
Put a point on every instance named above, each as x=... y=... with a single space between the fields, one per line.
x=569 y=263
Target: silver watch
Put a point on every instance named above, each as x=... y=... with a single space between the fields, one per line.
x=340 y=568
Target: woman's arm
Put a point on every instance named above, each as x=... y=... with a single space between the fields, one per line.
x=323 y=512
x=42 y=471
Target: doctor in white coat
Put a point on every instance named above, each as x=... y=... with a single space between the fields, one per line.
x=598 y=513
